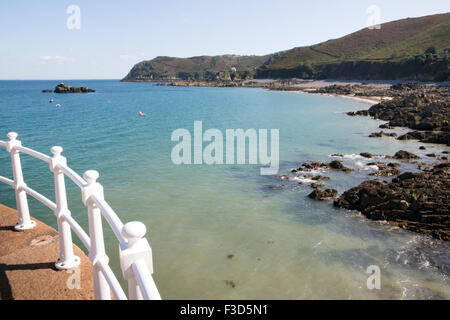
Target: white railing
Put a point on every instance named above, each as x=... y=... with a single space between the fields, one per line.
x=134 y=251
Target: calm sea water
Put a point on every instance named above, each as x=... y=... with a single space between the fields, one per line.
x=284 y=245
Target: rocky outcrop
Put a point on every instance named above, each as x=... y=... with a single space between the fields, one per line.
x=366 y=155
x=405 y=155
x=423 y=109
x=382 y=134
x=441 y=137
x=322 y=195
x=415 y=201
x=64 y=88
x=386 y=172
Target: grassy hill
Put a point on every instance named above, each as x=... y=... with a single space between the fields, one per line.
x=395 y=51
x=202 y=67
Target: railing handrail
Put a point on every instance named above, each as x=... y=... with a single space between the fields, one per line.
x=134 y=251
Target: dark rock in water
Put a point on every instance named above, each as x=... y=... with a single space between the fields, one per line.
x=386 y=172
x=445 y=152
x=382 y=134
x=378 y=164
x=405 y=155
x=337 y=155
x=385 y=126
x=319 y=177
x=323 y=195
x=47 y=90
x=314 y=165
x=64 y=88
x=431 y=155
x=418 y=202
x=422 y=148
x=317 y=185
x=335 y=164
x=358 y=113
x=384 y=165
x=441 y=137
x=366 y=155
x=394 y=164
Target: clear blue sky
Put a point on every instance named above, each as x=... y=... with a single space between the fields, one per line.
x=114 y=35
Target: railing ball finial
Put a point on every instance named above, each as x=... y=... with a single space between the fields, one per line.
x=12 y=136
x=134 y=231
x=91 y=176
x=56 y=150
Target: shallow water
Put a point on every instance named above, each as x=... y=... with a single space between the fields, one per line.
x=284 y=245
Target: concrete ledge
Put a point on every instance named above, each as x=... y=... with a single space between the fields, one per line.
x=27 y=260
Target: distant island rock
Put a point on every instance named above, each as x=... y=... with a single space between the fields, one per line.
x=64 y=88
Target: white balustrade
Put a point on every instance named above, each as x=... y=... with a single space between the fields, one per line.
x=135 y=252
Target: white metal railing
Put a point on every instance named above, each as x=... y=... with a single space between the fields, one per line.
x=134 y=250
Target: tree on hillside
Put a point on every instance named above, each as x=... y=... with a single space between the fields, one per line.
x=431 y=50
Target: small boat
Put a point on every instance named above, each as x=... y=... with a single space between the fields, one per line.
x=140 y=113
x=51 y=100
x=58 y=105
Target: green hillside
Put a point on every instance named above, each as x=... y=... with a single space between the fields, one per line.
x=404 y=49
x=394 y=40
x=202 y=67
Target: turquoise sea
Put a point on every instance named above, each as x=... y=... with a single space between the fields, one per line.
x=283 y=245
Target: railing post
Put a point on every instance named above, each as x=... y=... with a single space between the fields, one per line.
x=67 y=260
x=97 y=249
x=25 y=221
x=136 y=248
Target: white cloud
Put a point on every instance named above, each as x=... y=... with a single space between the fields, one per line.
x=56 y=59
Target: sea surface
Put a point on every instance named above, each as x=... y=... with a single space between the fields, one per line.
x=225 y=231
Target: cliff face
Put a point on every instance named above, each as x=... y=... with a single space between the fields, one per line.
x=415 y=49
